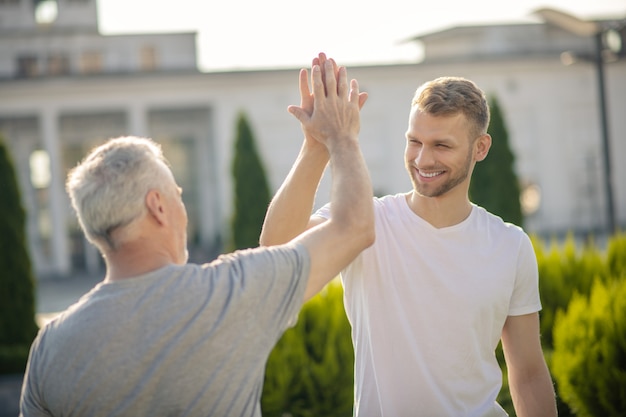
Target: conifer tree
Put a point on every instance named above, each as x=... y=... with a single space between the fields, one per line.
x=310 y=370
x=251 y=190
x=494 y=184
x=17 y=294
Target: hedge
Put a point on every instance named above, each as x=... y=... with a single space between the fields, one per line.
x=589 y=360
x=17 y=285
x=310 y=371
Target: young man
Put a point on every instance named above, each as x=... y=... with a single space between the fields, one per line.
x=160 y=337
x=445 y=280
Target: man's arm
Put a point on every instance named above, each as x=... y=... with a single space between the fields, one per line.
x=529 y=378
x=289 y=212
x=334 y=122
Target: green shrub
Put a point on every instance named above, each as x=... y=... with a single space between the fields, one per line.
x=494 y=184
x=17 y=294
x=13 y=358
x=616 y=255
x=251 y=190
x=565 y=269
x=310 y=371
x=589 y=360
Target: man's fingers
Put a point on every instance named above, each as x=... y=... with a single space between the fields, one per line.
x=322 y=64
x=331 y=81
x=362 y=99
x=342 y=82
x=318 y=84
x=306 y=100
x=299 y=113
x=335 y=68
x=354 y=92
x=304 y=83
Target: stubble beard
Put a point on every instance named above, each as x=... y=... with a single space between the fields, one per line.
x=425 y=190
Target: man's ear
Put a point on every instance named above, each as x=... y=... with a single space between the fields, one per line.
x=482 y=146
x=156 y=206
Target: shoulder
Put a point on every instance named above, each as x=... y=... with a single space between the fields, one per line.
x=381 y=205
x=495 y=222
x=390 y=204
x=504 y=232
x=261 y=260
x=390 y=200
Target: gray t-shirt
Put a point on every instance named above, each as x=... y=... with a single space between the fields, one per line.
x=180 y=341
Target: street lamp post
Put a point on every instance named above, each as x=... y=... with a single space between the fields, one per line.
x=584 y=28
x=606 y=144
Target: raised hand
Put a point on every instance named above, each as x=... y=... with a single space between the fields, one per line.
x=332 y=110
x=307 y=97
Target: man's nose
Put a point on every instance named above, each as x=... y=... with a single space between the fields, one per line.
x=424 y=157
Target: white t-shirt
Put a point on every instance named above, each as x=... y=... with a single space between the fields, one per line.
x=427 y=307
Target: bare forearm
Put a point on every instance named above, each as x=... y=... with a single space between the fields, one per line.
x=350 y=229
x=289 y=211
x=351 y=192
x=533 y=395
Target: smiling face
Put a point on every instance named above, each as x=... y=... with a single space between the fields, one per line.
x=439 y=154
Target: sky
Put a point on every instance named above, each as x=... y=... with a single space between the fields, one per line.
x=258 y=34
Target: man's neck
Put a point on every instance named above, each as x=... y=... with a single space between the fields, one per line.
x=132 y=260
x=444 y=211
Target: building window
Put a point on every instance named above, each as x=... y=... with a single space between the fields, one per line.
x=40 y=176
x=148 y=58
x=46 y=11
x=530 y=198
x=91 y=62
x=27 y=66
x=58 y=64
x=40 y=169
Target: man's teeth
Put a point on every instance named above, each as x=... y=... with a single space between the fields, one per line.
x=430 y=174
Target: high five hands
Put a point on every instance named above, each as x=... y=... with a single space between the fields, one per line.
x=331 y=111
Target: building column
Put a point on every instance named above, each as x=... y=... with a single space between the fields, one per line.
x=137 y=120
x=60 y=256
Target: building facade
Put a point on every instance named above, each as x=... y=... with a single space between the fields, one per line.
x=65 y=88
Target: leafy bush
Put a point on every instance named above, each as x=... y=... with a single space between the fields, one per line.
x=13 y=358
x=17 y=294
x=616 y=255
x=310 y=371
x=494 y=184
x=564 y=270
x=251 y=190
x=589 y=360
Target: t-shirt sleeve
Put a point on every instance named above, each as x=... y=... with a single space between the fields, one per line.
x=30 y=402
x=323 y=211
x=269 y=283
x=525 y=298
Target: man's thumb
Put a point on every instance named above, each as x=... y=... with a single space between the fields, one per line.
x=298 y=113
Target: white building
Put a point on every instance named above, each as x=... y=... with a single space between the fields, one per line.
x=64 y=88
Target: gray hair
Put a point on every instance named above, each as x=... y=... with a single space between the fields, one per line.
x=447 y=96
x=108 y=188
